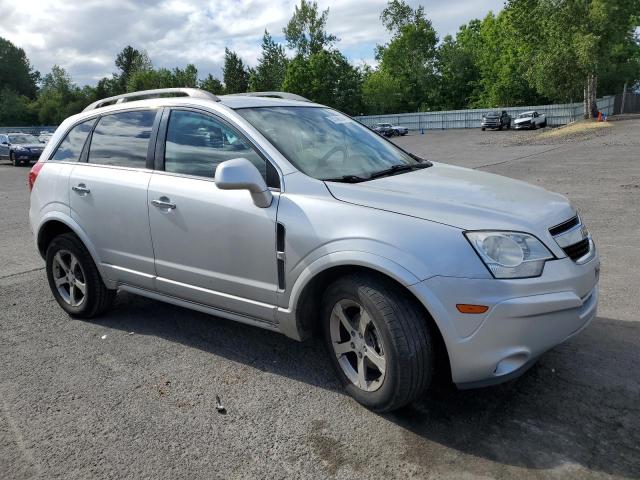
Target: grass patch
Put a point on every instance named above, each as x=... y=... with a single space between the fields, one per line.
x=575 y=128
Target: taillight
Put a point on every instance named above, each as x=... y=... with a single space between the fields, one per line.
x=33 y=174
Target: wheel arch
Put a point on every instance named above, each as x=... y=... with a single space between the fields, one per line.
x=56 y=223
x=306 y=310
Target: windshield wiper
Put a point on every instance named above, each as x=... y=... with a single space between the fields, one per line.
x=403 y=167
x=347 y=179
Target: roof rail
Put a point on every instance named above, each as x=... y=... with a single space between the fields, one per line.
x=283 y=95
x=127 y=97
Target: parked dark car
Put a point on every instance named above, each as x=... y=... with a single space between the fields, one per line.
x=389 y=130
x=497 y=120
x=20 y=148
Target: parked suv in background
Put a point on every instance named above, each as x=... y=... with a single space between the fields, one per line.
x=496 y=120
x=389 y=130
x=290 y=216
x=20 y=148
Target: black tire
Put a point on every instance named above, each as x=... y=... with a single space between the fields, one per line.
x=544 y=124
x=14 y=160
x=483 y=129
x=508 y=126
x=403 y=331
x=98 y=297
x=500 y=128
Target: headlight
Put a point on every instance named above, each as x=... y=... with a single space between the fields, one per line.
x=510 y=254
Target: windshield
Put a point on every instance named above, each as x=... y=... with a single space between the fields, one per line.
x=493 y=114
x=525 y=115
x=324 y=143
x=23 y=138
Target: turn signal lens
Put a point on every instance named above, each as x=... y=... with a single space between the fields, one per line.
x=466 y=308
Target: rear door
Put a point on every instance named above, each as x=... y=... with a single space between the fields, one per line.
x=109 y=194
x=213 y=247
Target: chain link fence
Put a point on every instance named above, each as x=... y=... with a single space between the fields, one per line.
x=557 y=115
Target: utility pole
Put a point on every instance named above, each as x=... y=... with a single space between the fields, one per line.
x=624 y=97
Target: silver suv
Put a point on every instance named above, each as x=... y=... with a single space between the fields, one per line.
x=280 y=213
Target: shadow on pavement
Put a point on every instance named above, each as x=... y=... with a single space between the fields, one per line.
x=580 y=405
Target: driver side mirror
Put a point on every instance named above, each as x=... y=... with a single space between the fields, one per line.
x=241 y=174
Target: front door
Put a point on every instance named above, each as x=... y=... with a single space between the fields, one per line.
x=108 y=196
x=213 y=247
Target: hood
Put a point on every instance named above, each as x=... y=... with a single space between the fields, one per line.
x=523 y=120
x=462 y=198
x=492 y=115
x=30 y=146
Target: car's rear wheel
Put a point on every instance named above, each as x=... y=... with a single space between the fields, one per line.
x=74 y=278
x=483 y=129
x=378 y=340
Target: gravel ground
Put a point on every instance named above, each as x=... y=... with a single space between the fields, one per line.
x=132 y=394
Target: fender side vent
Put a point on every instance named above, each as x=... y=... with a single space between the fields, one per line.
x=280 y=242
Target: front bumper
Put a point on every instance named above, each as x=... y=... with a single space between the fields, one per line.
x=526 y=317
x=523 y=126
x=26 y=155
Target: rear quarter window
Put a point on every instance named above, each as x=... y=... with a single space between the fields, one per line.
x=70 y=148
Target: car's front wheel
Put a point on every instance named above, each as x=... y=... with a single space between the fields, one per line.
x=14 y=160
x=74 y=278
x=378 y=340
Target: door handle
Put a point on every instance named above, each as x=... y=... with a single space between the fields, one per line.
x=81 y=189
x=163 y=202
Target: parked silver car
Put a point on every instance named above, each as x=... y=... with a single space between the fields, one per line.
x=530 y=120
x=290 y=216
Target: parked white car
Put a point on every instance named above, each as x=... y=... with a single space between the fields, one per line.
x=530 y=120
x=290 y=216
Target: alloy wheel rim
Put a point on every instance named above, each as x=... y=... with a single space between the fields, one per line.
x=357 y=345
x=69 y=278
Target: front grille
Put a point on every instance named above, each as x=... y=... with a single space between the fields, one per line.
x=572 y=237
x=577 y=250
x=564 y=226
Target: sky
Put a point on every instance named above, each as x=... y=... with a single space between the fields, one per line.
x=84 y=36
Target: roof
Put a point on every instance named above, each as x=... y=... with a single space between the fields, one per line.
x=241 y=101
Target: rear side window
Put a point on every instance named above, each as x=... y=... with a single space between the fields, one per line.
x=71 y=147
x=122 y=139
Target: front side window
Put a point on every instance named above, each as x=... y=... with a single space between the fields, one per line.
x=71 y=147
x=122 y=139
x=326 y=144
x=197 y=143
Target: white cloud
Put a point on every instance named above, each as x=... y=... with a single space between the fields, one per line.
x=84 y=36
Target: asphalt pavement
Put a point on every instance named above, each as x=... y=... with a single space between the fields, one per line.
x=132 y=394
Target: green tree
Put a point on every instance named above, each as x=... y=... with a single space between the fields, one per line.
x=163 y=78
x=326 y=77
x=410 y=56
x=129 y=61
x=458 y=67
x=59 y=97
x=16 y=72
x=212 y=84
x=234 y=73
x=578 y=42
x=272 y=66
x=15 y=109
x=305 y=33
x=381 y=93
